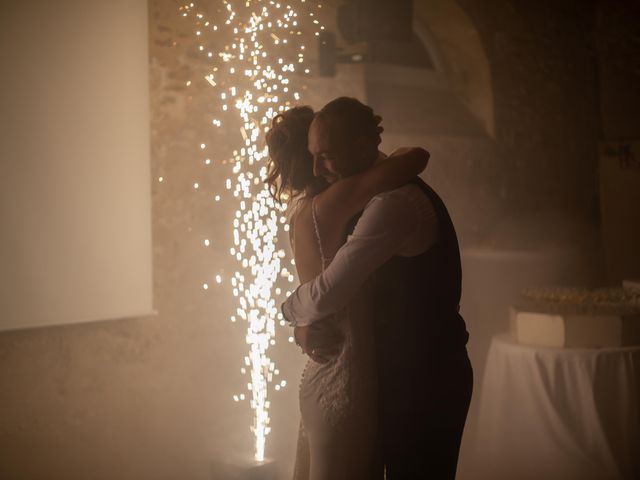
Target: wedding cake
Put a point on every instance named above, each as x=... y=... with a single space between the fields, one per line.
x=574 y=317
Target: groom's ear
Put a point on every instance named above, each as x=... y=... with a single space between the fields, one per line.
x=361 y=144
x=364 y=147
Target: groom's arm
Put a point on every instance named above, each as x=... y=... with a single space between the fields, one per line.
x=388 y=221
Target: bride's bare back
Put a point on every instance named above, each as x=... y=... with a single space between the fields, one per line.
x=304 y=242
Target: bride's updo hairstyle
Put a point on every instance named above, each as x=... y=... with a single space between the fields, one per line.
x=290 y=165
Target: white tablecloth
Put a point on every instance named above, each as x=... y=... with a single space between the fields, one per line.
x=550 y=413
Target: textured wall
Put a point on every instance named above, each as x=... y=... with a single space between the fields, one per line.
x=618 y=44
x=543 y=67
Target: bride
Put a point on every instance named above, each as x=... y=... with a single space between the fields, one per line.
x=337 y=395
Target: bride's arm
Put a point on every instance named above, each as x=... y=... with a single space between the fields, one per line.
x=348 y=196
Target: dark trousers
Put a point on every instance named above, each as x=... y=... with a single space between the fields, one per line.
x=421 y=439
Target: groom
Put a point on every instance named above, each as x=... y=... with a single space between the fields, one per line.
x=405 y=243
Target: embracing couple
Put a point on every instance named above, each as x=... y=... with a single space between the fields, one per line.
x=387 y=388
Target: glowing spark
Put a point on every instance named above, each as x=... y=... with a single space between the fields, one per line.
x=209 y=79
x=252 y=65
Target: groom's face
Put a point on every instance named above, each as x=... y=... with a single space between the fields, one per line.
x=334 y=157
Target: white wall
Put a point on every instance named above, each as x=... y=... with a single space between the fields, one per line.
x=75 y=206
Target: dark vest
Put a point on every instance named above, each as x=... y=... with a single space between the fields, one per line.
x=420 y=335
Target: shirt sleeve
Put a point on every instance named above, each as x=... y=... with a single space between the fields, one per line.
x=388 y=221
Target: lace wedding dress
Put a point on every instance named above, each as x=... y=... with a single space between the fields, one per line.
x=337 y=435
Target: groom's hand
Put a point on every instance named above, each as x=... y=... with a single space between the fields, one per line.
x=302 y=338
x=301 y=335
x=318 y=342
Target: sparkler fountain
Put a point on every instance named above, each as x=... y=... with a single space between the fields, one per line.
x=255 y=56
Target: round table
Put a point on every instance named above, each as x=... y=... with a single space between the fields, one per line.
x=558 y=413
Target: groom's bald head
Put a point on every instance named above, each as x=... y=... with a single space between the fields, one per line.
x=343 y=138
x=350 y=120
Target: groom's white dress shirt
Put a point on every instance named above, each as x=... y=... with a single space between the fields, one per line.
x=398 y=222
